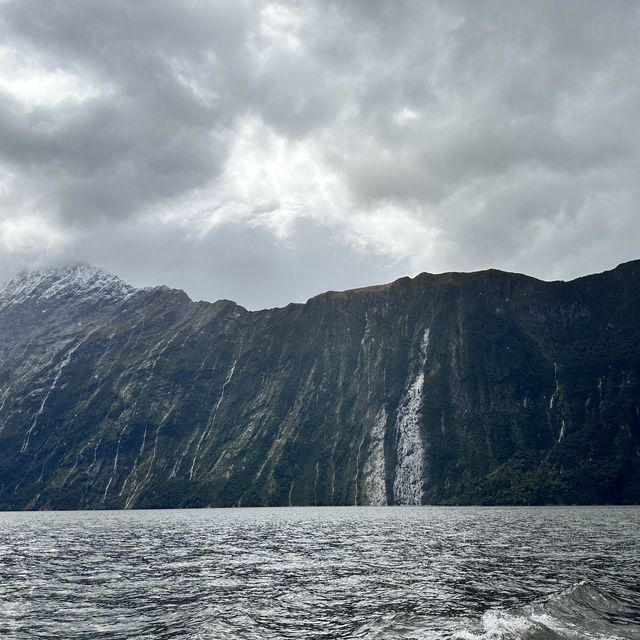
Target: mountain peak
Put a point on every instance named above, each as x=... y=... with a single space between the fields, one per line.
x=57 y=282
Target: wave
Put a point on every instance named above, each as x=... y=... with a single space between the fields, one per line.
x=582 y=612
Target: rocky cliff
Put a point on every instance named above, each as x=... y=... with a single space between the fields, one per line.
x=486 y=387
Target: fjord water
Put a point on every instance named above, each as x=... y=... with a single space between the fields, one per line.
x=502 y=573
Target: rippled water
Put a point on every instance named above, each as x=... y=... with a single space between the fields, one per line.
x=462 y=573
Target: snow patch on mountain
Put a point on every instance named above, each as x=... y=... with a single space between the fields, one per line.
x=85 y=281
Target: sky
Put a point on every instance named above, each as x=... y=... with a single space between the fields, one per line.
x=265 y=152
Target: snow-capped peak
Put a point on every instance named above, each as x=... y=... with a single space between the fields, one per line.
x=79 y=280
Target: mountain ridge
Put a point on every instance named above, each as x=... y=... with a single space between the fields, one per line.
x=487 y=387
x=74 y=267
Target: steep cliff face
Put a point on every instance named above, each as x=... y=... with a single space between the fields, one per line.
x=486 y=387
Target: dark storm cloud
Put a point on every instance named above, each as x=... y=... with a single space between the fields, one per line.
x=368 y=137
x=150 y=132
x=503 y=85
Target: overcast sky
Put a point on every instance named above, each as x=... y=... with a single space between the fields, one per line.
x=265 y=152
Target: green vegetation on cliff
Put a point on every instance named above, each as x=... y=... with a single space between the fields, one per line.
x=485 y=388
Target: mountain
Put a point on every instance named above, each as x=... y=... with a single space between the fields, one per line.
x=486 y=388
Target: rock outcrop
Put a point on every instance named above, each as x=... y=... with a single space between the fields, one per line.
x=485 y=388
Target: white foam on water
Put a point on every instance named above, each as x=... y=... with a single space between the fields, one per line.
x=581 y=612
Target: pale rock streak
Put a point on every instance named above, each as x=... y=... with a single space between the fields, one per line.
x=410 y=457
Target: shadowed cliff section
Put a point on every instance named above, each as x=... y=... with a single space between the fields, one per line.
x=484 y=387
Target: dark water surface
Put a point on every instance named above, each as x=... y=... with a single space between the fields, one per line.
x=502 y=573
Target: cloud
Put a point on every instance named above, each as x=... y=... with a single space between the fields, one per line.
x=319 y=144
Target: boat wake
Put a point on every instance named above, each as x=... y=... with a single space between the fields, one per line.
x=582 y=612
